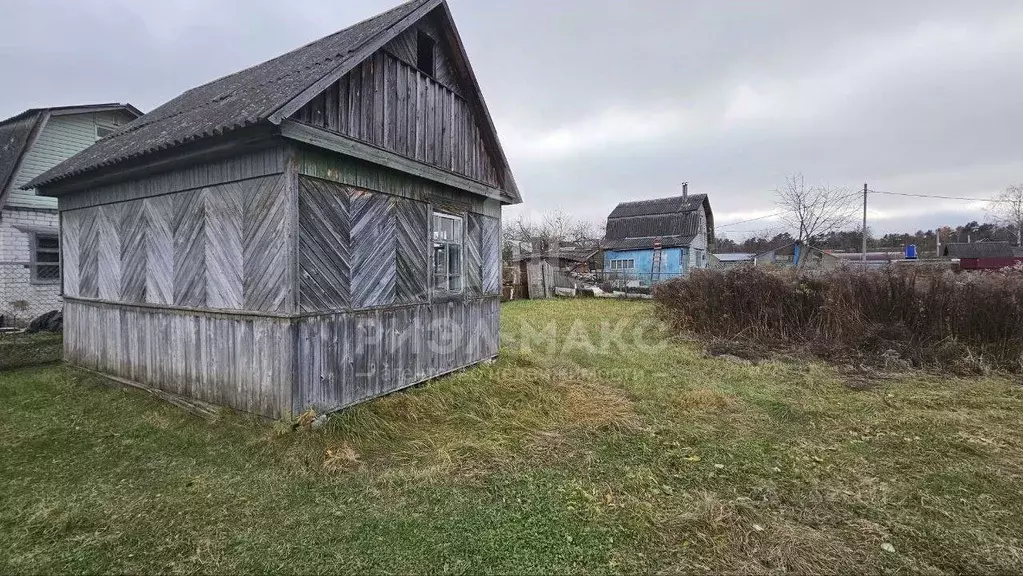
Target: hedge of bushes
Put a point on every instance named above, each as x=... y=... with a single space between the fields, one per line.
x=965 y=320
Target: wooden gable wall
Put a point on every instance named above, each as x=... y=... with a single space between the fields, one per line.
x=405 y=47
x=387 y=102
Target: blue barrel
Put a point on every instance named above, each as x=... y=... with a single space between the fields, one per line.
x=911 y=252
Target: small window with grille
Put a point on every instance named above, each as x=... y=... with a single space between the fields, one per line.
x=45 y=249
x=103 y=131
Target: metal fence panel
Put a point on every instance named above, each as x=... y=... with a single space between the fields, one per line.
x=27 y=290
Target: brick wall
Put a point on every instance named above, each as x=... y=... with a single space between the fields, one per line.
x=21 y=299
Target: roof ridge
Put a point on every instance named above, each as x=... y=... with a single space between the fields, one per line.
x=307 y=45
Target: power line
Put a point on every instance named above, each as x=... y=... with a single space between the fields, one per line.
x=750 y=220
x=933 y=196
x=766 y=229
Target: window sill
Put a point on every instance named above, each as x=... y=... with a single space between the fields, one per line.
x=448 y=296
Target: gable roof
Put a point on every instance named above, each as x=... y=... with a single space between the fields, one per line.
x=265 y=93
x=18 y=132
x=675 y=221
x=672 y=205
x=15 y=134
x=978 y=250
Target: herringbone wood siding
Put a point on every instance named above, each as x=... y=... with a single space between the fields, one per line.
x=109 y=259
x=412 y=222
x=373 y=250
x=490 y=250
x=473 y=255
x=224 y=257
x=189 y=226
x=258 y=241
x=224 y=247
x=267 y=244
x=134 y=233
x=159 y=243
x=70 y=244
x=88 y=261
x=324 y=246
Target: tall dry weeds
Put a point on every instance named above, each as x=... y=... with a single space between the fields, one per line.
x=930 y=318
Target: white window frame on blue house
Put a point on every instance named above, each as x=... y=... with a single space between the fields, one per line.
x=623 y=264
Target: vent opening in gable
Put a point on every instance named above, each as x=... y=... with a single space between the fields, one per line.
x=424 y=55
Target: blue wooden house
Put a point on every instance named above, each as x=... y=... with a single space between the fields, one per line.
x=654 y=240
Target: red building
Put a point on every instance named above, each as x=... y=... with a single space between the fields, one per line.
x=984 y=255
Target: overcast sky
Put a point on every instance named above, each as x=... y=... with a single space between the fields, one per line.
x=601 y=101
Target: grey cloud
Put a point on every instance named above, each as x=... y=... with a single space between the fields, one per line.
x=837 y=90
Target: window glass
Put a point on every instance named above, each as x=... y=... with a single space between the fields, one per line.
x=447 y=253
x=623 y=264
x=46 y=248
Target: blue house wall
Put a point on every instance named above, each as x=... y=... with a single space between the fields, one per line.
x=672 y=263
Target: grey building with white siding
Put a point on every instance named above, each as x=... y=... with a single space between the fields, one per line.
x=311 y=232
x=31 y=143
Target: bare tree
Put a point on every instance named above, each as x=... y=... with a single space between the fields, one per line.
x=814 y=210
x=1008 y=208
x=553 y=231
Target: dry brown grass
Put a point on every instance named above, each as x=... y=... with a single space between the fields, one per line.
x=705 y=400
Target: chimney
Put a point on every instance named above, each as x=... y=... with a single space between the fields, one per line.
x=685 y=191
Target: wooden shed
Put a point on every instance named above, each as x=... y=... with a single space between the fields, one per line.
x=311 y=232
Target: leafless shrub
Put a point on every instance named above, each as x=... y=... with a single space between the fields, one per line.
x=958 y=322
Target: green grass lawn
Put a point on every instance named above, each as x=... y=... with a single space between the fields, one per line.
x=588 y=447
x=21 y=349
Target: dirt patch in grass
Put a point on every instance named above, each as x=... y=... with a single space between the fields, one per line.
x=736 y=349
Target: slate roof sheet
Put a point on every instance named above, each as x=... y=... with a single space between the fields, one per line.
x=232 y=102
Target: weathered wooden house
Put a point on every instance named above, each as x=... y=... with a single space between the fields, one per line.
x=314 y=231
x=654 y=240
x=31 y=143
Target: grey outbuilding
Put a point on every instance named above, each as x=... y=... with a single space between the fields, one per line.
x=312 y=232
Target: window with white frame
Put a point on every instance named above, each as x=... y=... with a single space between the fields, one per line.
x=447 y=253
x=623 y=264
x=45 y=249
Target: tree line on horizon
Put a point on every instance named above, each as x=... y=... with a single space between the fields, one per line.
x=852 y=240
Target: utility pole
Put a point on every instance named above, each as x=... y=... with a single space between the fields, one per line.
x=863 y=255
